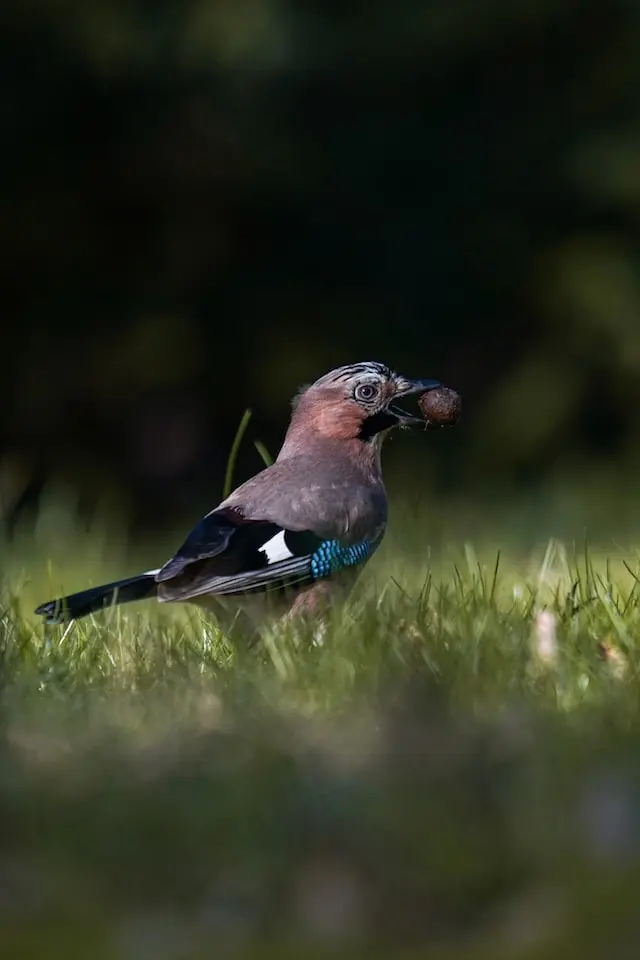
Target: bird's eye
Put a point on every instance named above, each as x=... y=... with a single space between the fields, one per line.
x=366 y=391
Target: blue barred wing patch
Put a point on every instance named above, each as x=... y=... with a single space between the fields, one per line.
x=332 y=556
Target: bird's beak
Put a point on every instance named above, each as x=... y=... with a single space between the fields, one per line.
x=408 y=388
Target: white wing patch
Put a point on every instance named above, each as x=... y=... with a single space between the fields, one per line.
x=276 y=549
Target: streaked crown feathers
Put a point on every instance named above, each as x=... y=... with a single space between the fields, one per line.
x=352 y=374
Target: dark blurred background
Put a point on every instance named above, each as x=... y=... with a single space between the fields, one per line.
x=208 y=203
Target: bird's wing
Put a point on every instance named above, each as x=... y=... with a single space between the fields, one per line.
x=227 y=553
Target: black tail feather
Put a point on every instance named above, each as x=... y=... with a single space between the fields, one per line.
x=96 y=598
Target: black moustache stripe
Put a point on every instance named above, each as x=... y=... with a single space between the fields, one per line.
x=377 y=422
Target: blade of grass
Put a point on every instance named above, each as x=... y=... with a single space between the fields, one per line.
x=264 y=453
x=233 y=453
x=494 y=581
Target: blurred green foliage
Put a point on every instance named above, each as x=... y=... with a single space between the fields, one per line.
x=207 y=203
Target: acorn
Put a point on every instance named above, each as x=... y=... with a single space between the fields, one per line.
x=440 y=406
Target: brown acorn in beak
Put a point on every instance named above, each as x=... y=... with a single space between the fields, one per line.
x=440 y=406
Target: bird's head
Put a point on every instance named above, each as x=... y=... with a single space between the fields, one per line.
x=355 y=402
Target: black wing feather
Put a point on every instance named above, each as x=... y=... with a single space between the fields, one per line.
x=223 y=554
x=295 y=571
x=216 y=535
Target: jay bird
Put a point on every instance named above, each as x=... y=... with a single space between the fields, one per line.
x=313 y=516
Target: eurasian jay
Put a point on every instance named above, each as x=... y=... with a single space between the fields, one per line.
x=311 y=518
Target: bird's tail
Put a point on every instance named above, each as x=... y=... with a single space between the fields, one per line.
x=96 y=598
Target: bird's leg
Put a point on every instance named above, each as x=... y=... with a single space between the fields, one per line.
x=312 y=601
x=314 y=604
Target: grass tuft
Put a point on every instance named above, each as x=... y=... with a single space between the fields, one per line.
x=450 y=764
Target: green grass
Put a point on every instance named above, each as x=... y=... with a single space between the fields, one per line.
x=431 y=776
